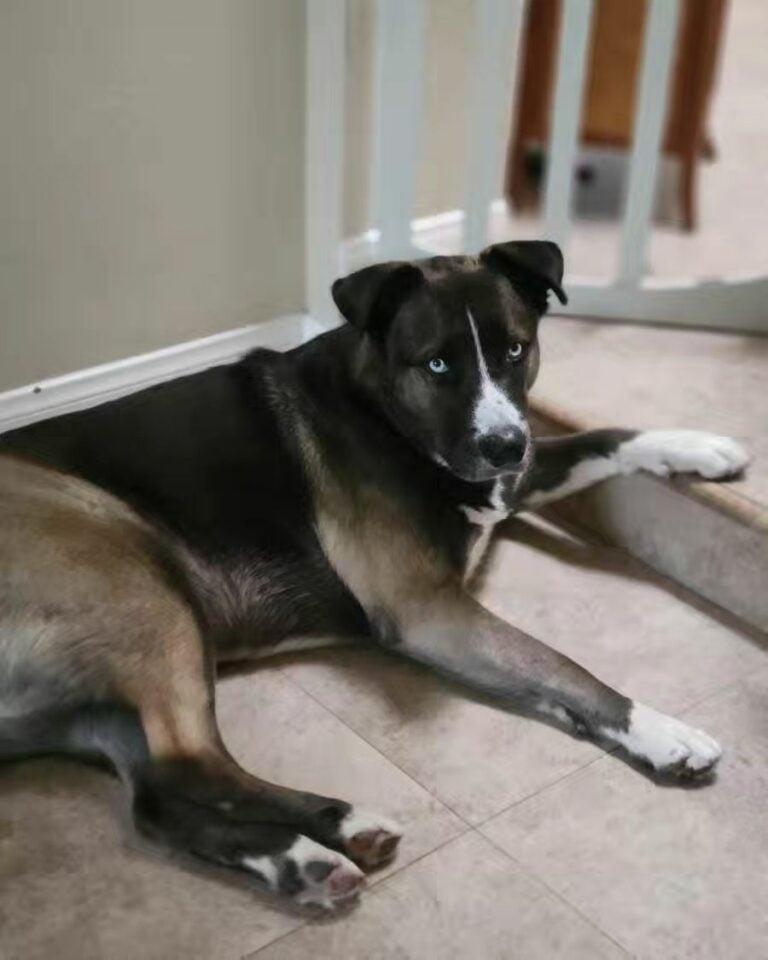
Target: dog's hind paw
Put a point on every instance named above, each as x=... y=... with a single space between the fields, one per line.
x=310 y=873
x=369 y=839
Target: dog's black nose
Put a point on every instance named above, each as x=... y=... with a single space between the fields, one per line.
x=504 y=449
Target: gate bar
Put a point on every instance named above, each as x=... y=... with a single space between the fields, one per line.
x=400 y=35
x=566 y=117
x=660 y=34
x=493 y=62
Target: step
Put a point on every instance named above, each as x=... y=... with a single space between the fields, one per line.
x=711 y=537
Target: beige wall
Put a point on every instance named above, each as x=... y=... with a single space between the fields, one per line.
x=151 y=157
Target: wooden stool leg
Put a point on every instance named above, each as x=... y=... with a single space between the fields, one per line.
x=708 y=148
x=688 y=192
x=516 y=185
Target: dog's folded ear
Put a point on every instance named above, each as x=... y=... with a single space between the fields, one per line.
x=534 y=267
x=369 y=298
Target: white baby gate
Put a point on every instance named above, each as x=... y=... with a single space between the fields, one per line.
x=400 y=58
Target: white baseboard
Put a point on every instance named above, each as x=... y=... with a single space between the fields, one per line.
x=312 y=328
x=85 y=388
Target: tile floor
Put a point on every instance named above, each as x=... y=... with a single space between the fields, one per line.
x=520 y=841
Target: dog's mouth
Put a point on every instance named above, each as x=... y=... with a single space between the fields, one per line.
x=484 y=473
x=474 y=468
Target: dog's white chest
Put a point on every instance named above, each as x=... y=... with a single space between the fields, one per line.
x=484 y=519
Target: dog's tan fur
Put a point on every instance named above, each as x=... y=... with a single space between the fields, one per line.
x=87 y=606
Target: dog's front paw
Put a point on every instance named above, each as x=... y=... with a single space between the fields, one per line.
x=683 y=451
x=671 y=747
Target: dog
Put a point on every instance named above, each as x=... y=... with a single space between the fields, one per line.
x=343 y=491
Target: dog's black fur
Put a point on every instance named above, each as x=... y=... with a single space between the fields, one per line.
x=213 y=458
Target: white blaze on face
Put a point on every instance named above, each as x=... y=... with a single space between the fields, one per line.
x=493 y=408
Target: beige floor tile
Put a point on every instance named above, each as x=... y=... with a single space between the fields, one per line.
x=72 y=886
x=669 y=873
x=279 y=733
x=474 y=756
x=466 y=901
x=74 y=883
x=629 y=626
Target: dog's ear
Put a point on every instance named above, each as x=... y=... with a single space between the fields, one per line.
x=369 y=298
x=534 y=267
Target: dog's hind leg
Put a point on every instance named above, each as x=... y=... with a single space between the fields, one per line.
x=565 y=465
x=190 y=794
x=101 y=653
x=30 y=736
x=50 y=733
x=194 y=805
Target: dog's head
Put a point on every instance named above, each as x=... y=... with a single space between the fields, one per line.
x=448 y=349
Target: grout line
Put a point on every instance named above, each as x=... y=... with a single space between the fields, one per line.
x=372 y=891
x=477 y=828
x=571 y=773
x=604 y=751
x=469 y=824
x=376 y=749
x=713 y=694
x=407 y=866
x=381 y=885
x=689 y=708
x=526 y=871
x=283 y=936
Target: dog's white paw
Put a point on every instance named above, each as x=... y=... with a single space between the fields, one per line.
x=664 y=452
x=310 y=873
x=667 y=744
x=369 y=838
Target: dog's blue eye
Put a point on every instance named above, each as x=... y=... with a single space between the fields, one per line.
x=437 y=365
x=515 y=351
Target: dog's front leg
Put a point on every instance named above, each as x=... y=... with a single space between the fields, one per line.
x=458 y=636
x=565 y=465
